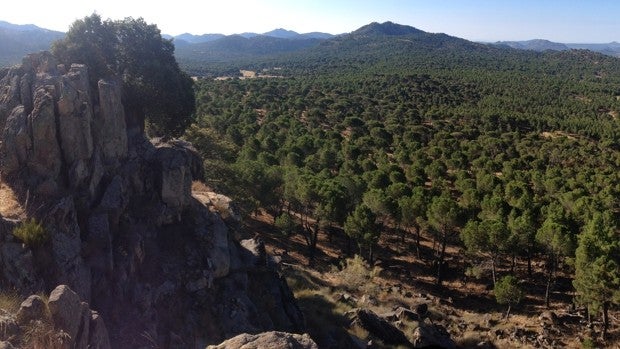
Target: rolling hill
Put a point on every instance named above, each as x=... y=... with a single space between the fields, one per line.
x=19 y=40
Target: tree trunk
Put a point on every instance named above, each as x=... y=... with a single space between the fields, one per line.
x=314 y=237
x=417 y=241
x=370 y=255
x=442 y=254
x=514 y=264
x=508 y=312
x=493 y=270
x=605 y=320
x=529 y=263
x=549 y=278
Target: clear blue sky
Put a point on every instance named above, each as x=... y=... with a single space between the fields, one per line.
x=480 y=20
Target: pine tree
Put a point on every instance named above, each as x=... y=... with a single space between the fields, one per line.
x=597 y=267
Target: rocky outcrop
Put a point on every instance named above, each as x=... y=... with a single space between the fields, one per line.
x=432 y=336
x=378 y=327
x=159 y=265
x=271 y=340
x=64 y=321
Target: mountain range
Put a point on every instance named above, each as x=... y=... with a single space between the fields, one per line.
x=18 y=40
x=611 y=49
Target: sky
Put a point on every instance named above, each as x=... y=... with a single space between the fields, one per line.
x=569 y=21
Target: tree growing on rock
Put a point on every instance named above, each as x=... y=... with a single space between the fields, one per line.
x=155 y=90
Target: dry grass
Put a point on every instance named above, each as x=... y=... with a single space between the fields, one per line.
x=41 y=334
x=9 y=206
x=10 y=301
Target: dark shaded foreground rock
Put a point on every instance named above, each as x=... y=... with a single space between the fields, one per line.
x=271 y=340
x=123 y=229
x=64 y=321
x=378 y=328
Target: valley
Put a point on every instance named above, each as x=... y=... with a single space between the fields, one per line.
x=383 y=188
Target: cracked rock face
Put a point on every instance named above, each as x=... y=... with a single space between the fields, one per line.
x=156 y=263
x=54 y=136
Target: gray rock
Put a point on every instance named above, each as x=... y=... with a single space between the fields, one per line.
x=45 y=161
x=33 y=308
x=9 y=93
x=110 y=130
x=432 y=336
x=197 y=285
x=378 y=327
x=271 y=340
x=99 y=243
x=66 y=310
x=74 y=120
x=254 y=253
x=15 y=149
x=98 y=333
x=66 y=247
x=18 y=266
x=220 y=252
x=8 y=324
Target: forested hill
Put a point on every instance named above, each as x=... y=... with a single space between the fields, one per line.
x=18 y=40
x=390 y=47
x=493 y=168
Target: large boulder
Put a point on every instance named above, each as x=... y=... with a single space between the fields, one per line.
x=75 y=114
x=378 y=327
x=45 y=160
x=178 y=164
x=33 y=308
x=109 y=123
x=271 y=340
x=432 y=336
x=68 y=266
x=66 y=310
x=69 y=314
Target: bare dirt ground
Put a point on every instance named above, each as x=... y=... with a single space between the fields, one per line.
x=466 y=304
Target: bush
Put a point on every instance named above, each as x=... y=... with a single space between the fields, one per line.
x=286 y=224
x=507 y=291
x=357 y=274
x=31 y=233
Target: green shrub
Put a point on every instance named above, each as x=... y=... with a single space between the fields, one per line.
x=31 y=233
x=286 y=224
x=588 y=343
x=356 y=274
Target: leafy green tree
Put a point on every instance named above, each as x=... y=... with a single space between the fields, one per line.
x=155 y=89
x=507 y=291
x=413 y=211
x=442 y=214
x=597 y=267
x=523 y=235
x=361 y=226
x=490 y=237
x=555 y=237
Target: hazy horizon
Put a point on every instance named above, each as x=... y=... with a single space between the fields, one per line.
x=569 y=21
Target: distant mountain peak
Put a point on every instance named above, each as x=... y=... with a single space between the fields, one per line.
x=535 y=45
x=386 y=28
x=282 y=33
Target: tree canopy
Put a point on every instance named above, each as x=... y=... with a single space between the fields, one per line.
x=155 y=90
